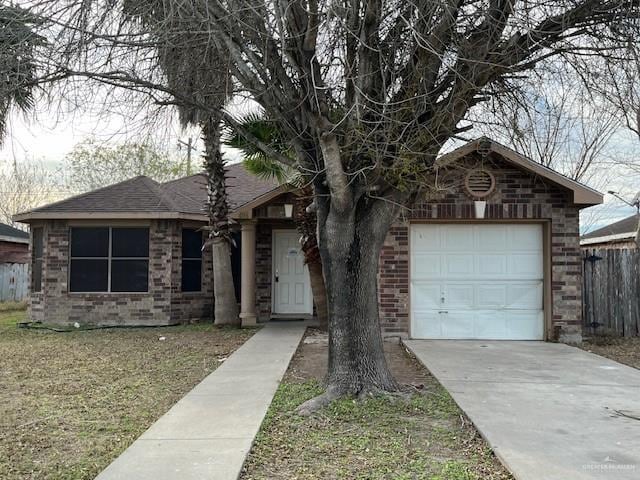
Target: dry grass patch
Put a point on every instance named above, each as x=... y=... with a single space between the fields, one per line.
x=72 y=402
x=424 y=436
x=624 y=350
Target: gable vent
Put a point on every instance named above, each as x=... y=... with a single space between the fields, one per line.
x=479 y=183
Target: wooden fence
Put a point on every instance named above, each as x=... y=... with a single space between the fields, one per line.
x=13 y=282
x=611 y=293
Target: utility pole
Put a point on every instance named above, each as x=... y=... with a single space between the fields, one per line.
x=190 y=146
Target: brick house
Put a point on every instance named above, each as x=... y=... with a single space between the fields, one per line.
x=14 y=245
x=492 y=253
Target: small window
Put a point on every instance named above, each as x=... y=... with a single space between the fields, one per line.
x=36 y=266
x=191 y=260
x=109 y=259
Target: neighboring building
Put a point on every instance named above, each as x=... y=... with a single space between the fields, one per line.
x=14 y=245
x=129 y=253
x=619 y=234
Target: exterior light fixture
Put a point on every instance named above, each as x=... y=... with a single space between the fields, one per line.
x=288 y=210
x=480 y=207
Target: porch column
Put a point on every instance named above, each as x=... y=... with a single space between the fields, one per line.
x=248 y=275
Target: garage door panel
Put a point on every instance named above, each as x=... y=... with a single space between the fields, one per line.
x=526 y=237
x=425 y=238
x=490 y=276
x=457 y=264
x=425 y=296
x=457 y=238
x=428 y=324
x=491 y=264
x=491 y=296
x=457 y=324
x=525 y=325
x=492 y=238
x=524 y=296
x=426 y=266
x=525 y=265
x=459 y=296
x=490 y=324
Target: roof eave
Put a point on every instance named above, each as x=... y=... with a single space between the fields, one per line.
x=10 y=239
x=582 y=195
x=617 y=237
x=29 y=217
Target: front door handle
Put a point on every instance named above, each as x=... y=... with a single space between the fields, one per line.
x=443 y=311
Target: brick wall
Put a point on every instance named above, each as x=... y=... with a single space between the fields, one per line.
x=517 y=196
x=11 y=252
x=161 y=305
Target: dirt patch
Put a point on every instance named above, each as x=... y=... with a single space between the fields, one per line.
x=623 y=350
x=72 y=402
x=423 y=436
x=310 y=361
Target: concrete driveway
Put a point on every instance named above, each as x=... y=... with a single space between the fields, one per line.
x=549 y=411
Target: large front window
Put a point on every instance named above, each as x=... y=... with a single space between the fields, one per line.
x=109 y=259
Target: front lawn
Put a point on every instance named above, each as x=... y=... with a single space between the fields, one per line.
x=424 y=436
x=72 y=402
x=624 y=349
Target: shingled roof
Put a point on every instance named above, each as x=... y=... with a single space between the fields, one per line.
x=617 y=231
x=142 y=197
x=11 y=234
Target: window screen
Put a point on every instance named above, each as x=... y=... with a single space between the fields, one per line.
x=109 y=259
x=191 y=260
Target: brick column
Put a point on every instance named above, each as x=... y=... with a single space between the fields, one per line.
x=248 y=269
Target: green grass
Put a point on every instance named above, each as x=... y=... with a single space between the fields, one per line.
x=72 y=402
x=418 y=438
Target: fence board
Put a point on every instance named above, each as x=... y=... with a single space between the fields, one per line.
x=13 y=281
x=611 y=292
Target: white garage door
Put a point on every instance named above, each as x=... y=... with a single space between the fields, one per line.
x=477 y=281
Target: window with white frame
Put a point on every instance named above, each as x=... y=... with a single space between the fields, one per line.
x=109 y=259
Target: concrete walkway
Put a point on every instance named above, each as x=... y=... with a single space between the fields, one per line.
x=549 y=411
x=208 y=433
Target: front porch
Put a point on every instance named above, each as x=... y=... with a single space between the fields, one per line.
x=274 y=281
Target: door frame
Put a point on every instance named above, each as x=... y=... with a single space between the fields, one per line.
x=547 y=272
x=309 y=306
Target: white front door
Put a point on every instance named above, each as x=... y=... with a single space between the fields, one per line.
x=482 y=281
x=291 y=287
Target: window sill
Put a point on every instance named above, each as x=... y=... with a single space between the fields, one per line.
x=107 y=294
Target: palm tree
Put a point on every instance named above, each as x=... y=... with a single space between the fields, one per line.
x=203 y=78
x=256 y=162
x=18 y=43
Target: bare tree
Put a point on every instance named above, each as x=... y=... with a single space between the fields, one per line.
x=367 y=93
x=26 y=185
x=92 y=165
x=560 y=126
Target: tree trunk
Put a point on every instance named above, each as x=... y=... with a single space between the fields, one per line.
x=225 y=303
x=319 y=292
x=350 y=244
x=306 y=223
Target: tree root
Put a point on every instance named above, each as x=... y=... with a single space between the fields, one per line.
x=333 y=393
x=311 y=406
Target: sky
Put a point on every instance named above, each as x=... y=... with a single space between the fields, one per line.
x=48 y=136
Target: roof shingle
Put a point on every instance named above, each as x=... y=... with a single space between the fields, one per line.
x=627 y=225
x=9 y=231
x=141 y=195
